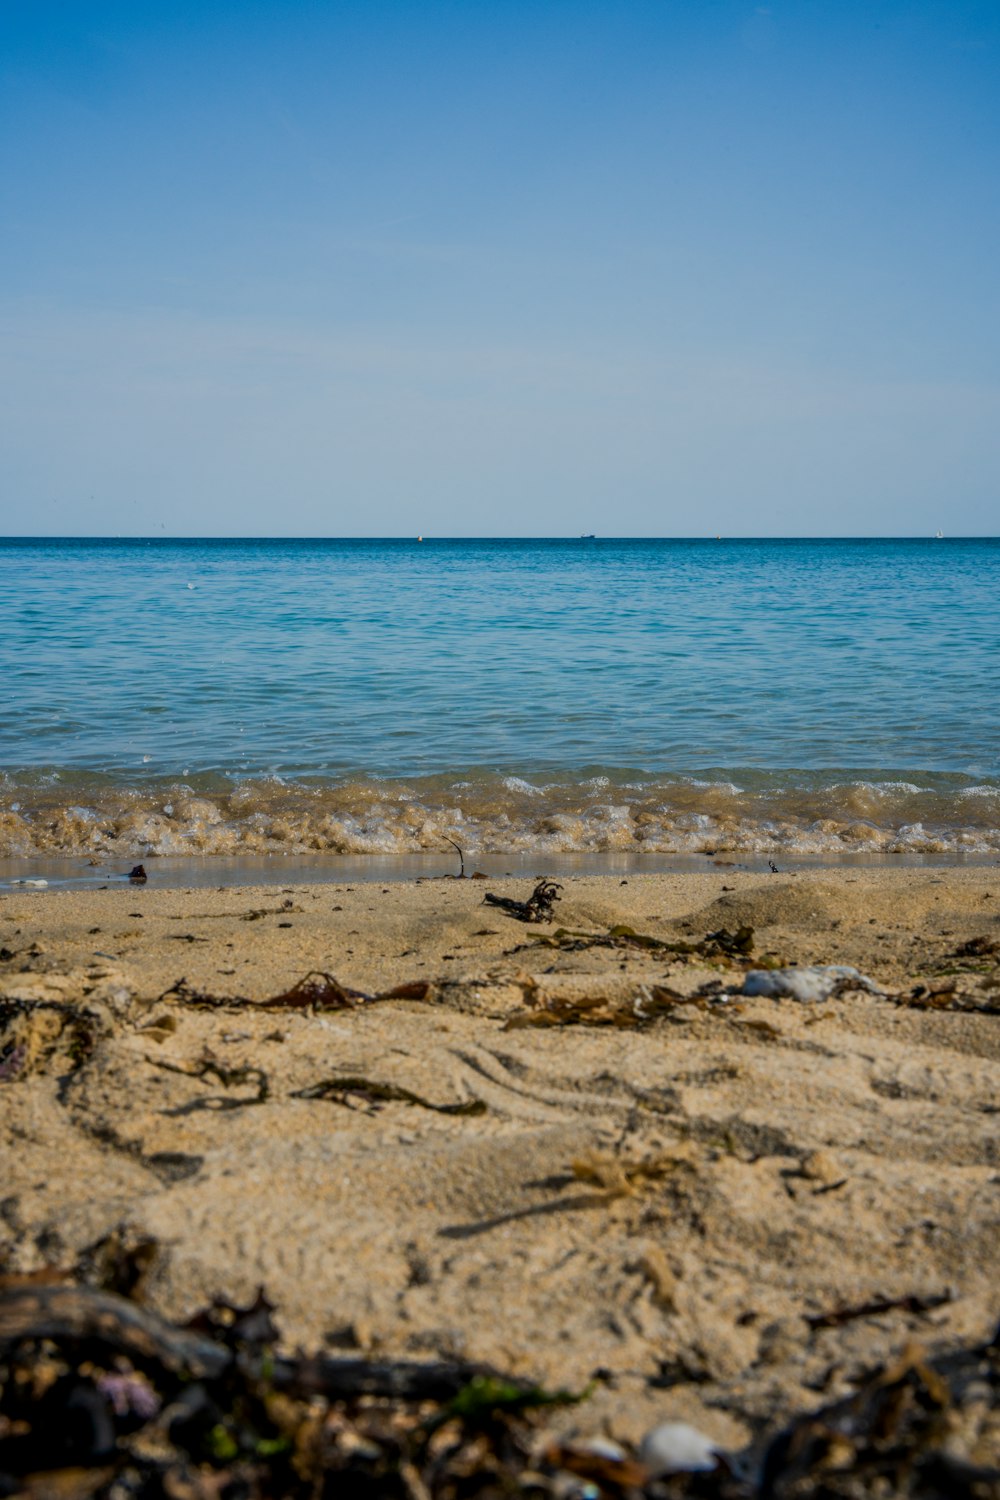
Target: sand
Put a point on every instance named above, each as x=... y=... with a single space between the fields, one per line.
x=676 y=1209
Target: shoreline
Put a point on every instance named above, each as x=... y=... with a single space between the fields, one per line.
x=171 y=872
x=510 y=1162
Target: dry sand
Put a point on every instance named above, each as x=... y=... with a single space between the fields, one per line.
x=668 y=1209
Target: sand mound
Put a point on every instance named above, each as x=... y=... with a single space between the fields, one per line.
x=799 y=903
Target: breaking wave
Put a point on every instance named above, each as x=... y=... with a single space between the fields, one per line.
x=795 y=813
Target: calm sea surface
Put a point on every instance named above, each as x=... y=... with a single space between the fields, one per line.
x=371 y=696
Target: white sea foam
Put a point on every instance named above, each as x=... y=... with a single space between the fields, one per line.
x=494 y=814
x=517 y=784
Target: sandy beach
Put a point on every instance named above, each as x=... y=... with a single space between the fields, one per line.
x=569 y=1150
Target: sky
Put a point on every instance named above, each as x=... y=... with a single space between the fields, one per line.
x=499 y=267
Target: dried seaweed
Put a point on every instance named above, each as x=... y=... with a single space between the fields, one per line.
x=314 y=991
x=946 y=996
x=537 y=908
x=100 y=1398
x=256 y=912
x=714 y=945
x=371 y=1095
x=978 y=947
x=620 y=1176
x=890 y=1437
x=33 y=1032
x=910 y=1303
x=647 y=1004
x=210 y=1067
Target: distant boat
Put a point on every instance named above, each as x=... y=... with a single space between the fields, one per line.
x=588 y=536
x=939 y=536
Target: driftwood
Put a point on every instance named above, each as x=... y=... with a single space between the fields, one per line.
x=105 y=1323
x=81 y=1316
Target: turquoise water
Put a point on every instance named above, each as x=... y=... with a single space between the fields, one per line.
x=353 y=696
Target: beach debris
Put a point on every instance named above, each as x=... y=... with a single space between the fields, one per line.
x=12 y=1060
x=371 y=1095
x=100 y=1396
x=93 y=1320
x=773 y=867
x=658 y=1272
x=622 y=1176
x=229 y=1077
x=944 y=994
x=255 y=913
x=677 y=1448
x=720 y=945
x=910 y=1303
x=461 y=857
x=316 y=990
x=137 y=874
x=895 y=1435
x=605 y=1468
x=37 y=1033
x=811 y=985
x=118 y=1262
x=537 y=908
x=978 y=947
x=643 y=1005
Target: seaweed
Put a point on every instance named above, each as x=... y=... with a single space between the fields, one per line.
x=978 y=947
x=621 y=1176
x=33 y=1032
x=714 y=945
x=945 y=995
x=256 y=912
x=209 y=1067
x=100 y=1398
x=537 y=908
x=316 y=990
x=372 y=1095
x=890 y=1436
x=647 y=1004
x=908 y=1303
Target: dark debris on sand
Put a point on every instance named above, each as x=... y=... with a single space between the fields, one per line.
x=101 y=1399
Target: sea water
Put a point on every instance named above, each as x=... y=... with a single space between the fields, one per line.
x=256 y=697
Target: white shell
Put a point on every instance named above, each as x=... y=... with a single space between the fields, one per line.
x=677 y=1448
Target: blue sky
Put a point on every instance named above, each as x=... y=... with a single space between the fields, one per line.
x=507 y=268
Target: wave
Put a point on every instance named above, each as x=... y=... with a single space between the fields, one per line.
x=793 y=813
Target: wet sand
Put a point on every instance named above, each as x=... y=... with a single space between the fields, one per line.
x=679 y=1206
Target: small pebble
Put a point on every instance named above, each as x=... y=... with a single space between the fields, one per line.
x=820 y=1166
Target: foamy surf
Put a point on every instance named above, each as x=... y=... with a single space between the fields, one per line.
x=795 y=816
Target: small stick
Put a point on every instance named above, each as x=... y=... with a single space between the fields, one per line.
x=461 y=873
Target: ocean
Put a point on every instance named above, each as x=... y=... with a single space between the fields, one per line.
x=779 y=698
